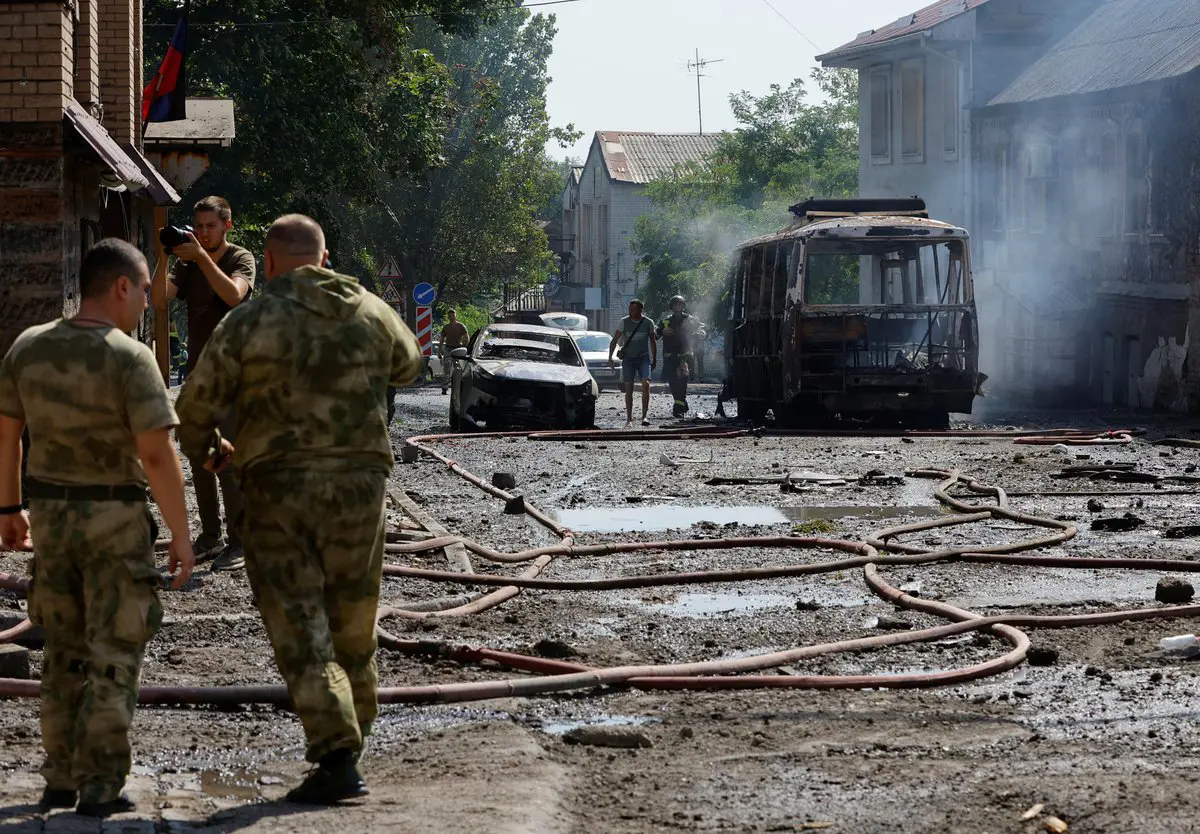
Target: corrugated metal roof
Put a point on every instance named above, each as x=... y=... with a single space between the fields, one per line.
x=644 y=157
x=159 y=191
x=210 y=121
x=104 y=146
x=1123 y=43
x=910 y=24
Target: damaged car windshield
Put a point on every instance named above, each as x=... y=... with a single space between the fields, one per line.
x=870 y=272
x=529 y=347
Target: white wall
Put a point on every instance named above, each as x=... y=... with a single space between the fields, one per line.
x=939 y=173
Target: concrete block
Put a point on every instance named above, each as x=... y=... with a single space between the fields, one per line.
x=14 y=662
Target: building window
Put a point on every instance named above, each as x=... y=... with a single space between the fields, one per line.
x=951 y=109
x=1110 y=207
x=1137 y=182
x=912 y=109
x=881 y=114
x=999 y=177
x=1041 y=184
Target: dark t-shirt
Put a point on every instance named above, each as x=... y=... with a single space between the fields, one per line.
x=205 y=309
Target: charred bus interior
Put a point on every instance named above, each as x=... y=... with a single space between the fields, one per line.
x=864 y=316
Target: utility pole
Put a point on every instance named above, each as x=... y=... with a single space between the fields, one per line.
x=698 y=65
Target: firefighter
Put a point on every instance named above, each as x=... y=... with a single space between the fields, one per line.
x=678 y=331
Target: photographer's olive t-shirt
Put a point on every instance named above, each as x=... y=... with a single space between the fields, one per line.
x=205 y=309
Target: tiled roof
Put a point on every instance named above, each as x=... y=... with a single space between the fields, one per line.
x=644 y=157
x=1123 y=43
x=910 y=24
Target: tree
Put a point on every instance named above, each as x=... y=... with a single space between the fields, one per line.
x=413 y=128
x=783 y=150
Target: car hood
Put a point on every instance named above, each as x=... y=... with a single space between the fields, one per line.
x=517 y=371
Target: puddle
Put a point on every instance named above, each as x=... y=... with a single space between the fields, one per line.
x=557 y=728
x=234 y=784
x=676 y=517
x=708 y=605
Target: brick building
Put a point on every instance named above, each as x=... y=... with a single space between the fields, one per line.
x=71 y=166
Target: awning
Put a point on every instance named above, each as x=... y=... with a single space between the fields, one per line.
x=105 y=147
x=159 y=191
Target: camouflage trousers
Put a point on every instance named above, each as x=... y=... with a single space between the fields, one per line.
x=314 y=558
x=95 y=593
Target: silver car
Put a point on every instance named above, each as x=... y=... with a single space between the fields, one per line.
x=593 y=344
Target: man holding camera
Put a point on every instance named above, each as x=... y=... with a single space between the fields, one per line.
x=212 y=276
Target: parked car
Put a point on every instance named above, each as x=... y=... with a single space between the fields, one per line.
x=593 y=344
x=433 y=368
x=575 y=322
x=521 y=375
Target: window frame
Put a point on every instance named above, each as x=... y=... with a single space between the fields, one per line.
x=918 y=98
x=881 y=74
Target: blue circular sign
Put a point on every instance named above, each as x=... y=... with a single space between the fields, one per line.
x=424 y=294
x=551 y=287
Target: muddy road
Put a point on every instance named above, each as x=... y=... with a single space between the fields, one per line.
x=1102 y=735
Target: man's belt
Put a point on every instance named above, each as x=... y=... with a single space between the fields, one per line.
x=43 y=491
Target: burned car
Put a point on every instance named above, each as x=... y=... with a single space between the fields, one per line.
x=521 y=375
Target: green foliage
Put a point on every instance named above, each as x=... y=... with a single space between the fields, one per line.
x=409 y=128
x=470 y=315
x=783 y=150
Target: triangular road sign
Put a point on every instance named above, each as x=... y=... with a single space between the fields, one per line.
x=389 y=293
x=390 y=269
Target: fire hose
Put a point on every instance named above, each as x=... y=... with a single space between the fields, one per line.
x=877 y=552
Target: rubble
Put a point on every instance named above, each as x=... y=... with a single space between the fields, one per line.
x=1173 y=590
x=504 y=480
x=1124 y=524
x=621 y=738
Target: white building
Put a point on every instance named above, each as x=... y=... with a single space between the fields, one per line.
x=601 y=205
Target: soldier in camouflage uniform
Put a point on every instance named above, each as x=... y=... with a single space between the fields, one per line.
x=100 y=422
x=308 y=364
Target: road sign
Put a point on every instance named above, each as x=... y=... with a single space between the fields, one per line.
x=551 y=287
x=389 y=293
x=424 y=294
x=389 y=280
x=390 y=271
x=425 y=329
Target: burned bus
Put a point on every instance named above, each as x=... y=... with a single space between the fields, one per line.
x=861 y=309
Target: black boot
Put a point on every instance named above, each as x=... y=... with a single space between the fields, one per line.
x=333 y=779
x=105 y=809
x=58 y=798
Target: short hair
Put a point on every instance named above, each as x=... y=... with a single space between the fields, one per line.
x=638 y=302
x=217 y=205
x=296 y=234
x=452 y=312
x=107 y=261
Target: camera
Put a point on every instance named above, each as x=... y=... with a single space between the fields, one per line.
x=172 y=236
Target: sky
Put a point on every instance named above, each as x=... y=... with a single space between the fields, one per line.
x=622 y=64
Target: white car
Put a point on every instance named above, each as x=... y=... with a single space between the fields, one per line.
x=575 y=322
x=593 y=344
x=433 y=367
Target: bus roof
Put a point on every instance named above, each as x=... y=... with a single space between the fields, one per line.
x=864 y=225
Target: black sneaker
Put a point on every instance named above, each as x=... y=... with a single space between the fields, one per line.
x=231 y=558
x=328 y=784
x=105 y=809
x=52 y=798
x=206 y=546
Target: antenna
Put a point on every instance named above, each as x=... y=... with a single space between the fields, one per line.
x=698 y=67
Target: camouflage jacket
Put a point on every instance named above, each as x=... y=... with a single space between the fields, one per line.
x=307 y=365
x=85 y=393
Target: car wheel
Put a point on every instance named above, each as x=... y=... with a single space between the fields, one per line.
x=586 y=417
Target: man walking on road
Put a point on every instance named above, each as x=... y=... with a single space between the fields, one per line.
x=454 y=335
x=212 y=276
x=638 y=355
x=307 y=364
x=678 y=332
x=100 y=422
